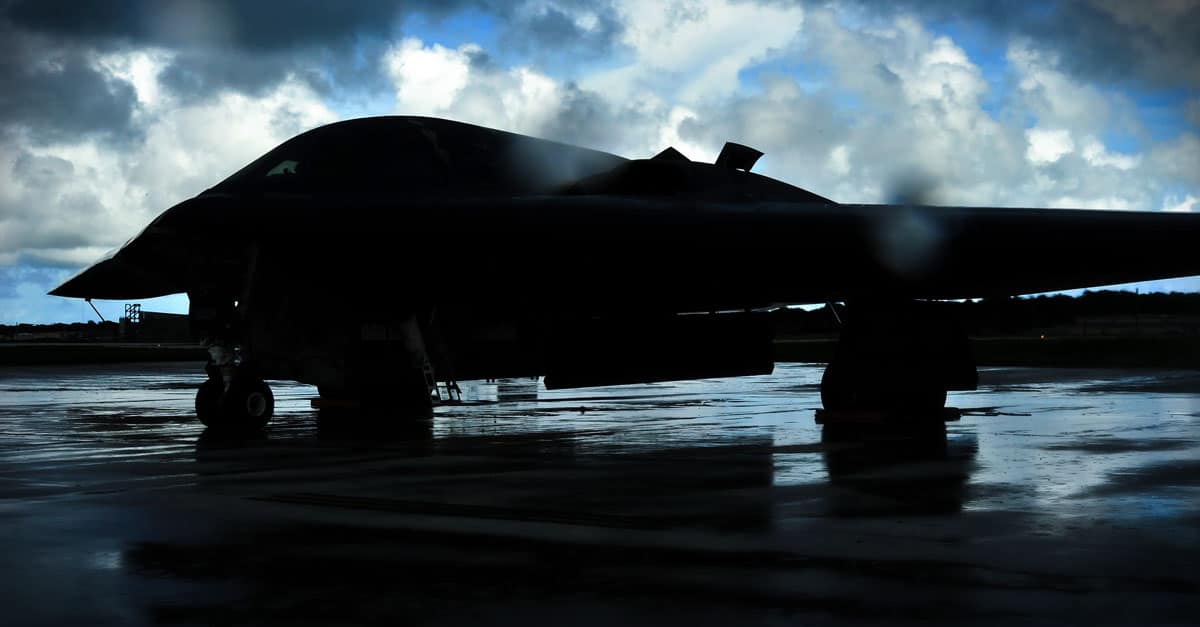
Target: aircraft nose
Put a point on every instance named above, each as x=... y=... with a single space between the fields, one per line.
x=135 y=270
x=115 y=278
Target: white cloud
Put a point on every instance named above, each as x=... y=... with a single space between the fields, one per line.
x=67 y=203
x=1177 y=160
x=917 y=114
x=1096 y=154
x=1053 y=96
x=1116 y=203
x=438 y=81
x=524 y=100
x=698 y=47
x=943 y=73
x=920 y=112
x=189 y=148
x=1048 y=145
x=839 y=160
x=669 y=135
x=427 y=79
x=1175 y=204
x=139 y=68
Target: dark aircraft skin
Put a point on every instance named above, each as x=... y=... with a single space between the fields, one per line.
x=374 y=257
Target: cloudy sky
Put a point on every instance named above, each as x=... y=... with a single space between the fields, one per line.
x=110 y=112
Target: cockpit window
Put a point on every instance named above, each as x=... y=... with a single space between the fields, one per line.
x=287 y=166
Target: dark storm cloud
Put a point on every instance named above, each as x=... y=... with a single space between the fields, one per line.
x=42 y=172
x=67 y=102
x=243 y=46
x=55 y=93
x=275 y=25
x=1152 y=42
x=233 y=45
x=1192 y=113
x=255 y=26
x=556 y=28
x=193 y=74
x=584 y=118
x=49 y=214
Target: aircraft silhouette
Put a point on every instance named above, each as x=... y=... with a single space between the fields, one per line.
x=374 y=257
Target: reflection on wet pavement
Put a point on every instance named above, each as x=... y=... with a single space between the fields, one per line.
x=1061 y=496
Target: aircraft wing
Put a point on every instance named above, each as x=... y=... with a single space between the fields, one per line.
x=612 y=252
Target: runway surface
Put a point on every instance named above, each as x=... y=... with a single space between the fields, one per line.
x=1062 y=496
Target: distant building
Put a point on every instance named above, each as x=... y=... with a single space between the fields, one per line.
x=156 y=326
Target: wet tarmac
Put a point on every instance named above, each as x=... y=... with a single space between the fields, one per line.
x=1061 y=497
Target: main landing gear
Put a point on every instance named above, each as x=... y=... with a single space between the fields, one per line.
x=894 y=362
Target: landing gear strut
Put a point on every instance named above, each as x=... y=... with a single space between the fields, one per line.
x=896 y=360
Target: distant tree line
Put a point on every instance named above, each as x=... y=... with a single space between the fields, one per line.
x=989 y=315
x=90 y=330
x=1015 y=314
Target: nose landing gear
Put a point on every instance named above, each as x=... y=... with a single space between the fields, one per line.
x=234 y=398
x=246 y=405
x=242 y=402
